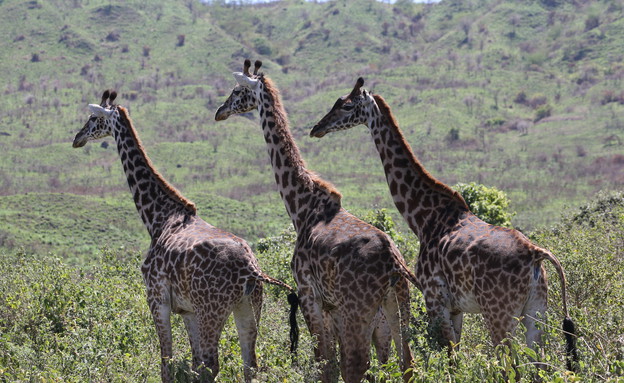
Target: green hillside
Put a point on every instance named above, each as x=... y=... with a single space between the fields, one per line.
x=521 y=95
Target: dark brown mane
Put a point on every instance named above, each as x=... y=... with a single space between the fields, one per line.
x=431 y=180
x=167 y=187
x=283 y=125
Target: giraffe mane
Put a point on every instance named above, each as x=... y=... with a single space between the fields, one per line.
x=281 y=121
x=167 y=187
x=384 y=108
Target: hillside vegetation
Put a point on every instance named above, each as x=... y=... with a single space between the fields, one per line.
x=524 y=96
x=60 y=323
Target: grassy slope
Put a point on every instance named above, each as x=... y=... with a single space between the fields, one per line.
x=435 y=76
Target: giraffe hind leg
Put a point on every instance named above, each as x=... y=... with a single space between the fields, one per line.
x=382 y=337
x=192 y=329
x=355 y=340
x=396 y=307
x=247 y=316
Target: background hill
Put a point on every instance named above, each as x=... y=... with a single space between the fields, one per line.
x=521 y=95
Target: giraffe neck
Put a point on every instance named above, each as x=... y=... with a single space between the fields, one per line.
x=425 y=203
x=303 y=193
x=155 y=199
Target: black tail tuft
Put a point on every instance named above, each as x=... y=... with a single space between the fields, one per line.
x=571 y=351
x=293 y=300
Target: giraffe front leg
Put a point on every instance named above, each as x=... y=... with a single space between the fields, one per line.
x=440 y=323
x=161 y=313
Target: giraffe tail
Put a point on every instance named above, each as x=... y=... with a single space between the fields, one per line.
x=293 y=301
x=406 y=273
x=265 y=278
x=569 y=330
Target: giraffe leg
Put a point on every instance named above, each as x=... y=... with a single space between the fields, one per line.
x=161 y=313
x=355 y=340
x=440 y=323
x=212 y=318
x=382 y=337
x=192 y=329
x=458 y=320
x=396 y=307
x=320 y=327
x=247 y=316
x=535 y=306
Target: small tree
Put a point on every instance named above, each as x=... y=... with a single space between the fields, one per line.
x=487 y=203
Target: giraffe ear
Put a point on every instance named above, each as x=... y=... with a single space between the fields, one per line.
x=245 y=81
x=99 y=111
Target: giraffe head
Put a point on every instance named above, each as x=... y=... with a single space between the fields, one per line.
x=348 y=111
x=242 y=99
x=101 y=121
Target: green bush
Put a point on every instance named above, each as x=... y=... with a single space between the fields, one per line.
x=487 y=203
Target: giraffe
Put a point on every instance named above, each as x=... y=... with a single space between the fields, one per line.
x=192 y=268
x=345 y=269
x=465 y=265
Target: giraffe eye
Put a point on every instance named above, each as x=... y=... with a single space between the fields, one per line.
x=92 y=119
x=348 y=106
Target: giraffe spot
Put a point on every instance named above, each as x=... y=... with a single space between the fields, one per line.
x=393 y=187
x=278 y=162
x=400 y=206
x=409 y=178
x=403 y=189
x=401 y=162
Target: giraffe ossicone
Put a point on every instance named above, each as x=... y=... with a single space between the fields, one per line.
x=191 y=268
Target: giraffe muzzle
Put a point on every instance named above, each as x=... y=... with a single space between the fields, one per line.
x=318 y=131
x=79 y=141
x=221 y=114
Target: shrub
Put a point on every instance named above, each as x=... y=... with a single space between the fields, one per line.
x=487 y=203
x=542 y=112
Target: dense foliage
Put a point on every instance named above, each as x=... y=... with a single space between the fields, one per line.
x=70 y=324
x=487 y=203
x=524 y=96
